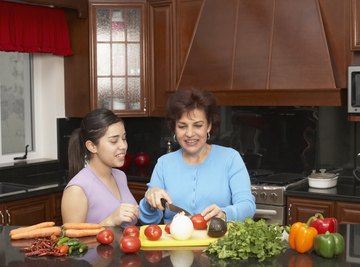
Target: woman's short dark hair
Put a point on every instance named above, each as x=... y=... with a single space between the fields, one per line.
x=186 y=100
x=92 y=128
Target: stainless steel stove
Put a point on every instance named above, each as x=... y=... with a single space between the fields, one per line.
x=269 y=191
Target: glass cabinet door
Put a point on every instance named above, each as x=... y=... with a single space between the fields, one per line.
x=118 y=59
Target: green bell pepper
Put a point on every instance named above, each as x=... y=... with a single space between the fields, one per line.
x=329 y=245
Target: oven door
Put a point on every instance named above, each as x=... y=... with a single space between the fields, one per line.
x=270 y=213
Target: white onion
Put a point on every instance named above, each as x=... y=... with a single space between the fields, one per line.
x=181 y=227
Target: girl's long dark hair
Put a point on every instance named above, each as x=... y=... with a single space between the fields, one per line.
x=92 y=128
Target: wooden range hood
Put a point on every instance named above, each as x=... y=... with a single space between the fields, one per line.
x=273 y=53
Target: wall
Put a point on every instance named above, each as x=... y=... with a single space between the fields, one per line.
x=49 y=102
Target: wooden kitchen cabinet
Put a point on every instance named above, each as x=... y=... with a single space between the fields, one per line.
x=32 y=210
x=347 y=212
x=167 y=27
x=171 y=26
x=355 y=25
x=161 y=53
x=56 y=208
x=26 y=211
x=301 y=209
x=118 y=56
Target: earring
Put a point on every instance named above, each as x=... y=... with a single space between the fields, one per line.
x=208 y=135
x=174 y=138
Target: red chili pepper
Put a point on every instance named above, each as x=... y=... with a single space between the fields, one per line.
x=322 y=224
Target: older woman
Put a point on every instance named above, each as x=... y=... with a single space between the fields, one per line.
x=199 y=177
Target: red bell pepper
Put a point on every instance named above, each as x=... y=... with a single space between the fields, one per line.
x=322 y=224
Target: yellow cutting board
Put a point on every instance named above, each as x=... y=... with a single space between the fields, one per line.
x=199 y=238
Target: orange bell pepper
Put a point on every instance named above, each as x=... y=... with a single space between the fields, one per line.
x=301 y=236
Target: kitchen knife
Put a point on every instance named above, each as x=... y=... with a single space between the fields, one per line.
x=173 y=207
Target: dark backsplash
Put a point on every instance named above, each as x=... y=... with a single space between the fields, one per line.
x=284 y=139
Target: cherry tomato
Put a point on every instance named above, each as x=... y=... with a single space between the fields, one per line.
x=167 y=227
x=153 y=256
x=199 y=222
x=130 y=244
x=105 y=251
x=153 y=232
x=131 y=231
x=105 y=237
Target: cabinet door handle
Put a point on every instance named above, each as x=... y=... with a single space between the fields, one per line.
x=289 y=213
x=145 y=103
x=2 y=218
x=9 y=217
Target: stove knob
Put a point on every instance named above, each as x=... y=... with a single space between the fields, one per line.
x=263 y=195
x=273 y=196
x=255 y=195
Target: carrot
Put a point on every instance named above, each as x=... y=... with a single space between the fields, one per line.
x=82 y=226
x=40 y=232
x=31 y=227
x=82 y=232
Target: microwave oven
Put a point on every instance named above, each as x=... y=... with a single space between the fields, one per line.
x=354 y=89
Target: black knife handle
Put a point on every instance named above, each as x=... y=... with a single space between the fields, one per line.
x=163 y=202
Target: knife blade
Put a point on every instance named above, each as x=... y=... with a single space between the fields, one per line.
x=173 y=207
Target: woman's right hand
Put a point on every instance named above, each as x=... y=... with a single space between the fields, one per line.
x=124 y=213
x=154 y=195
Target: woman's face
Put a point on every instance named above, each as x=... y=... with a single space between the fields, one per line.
x=191 y=131
x=112 y=147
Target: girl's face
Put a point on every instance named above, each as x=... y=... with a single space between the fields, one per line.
x=191 y=131
x=112 y=147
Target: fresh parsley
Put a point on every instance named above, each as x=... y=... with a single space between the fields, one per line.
x=249 y=239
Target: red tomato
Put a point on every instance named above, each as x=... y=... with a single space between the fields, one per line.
x=153 y=256
x=167 y=227
x=153 y=232
x=142 y=160
x=131 y=231
x=105 y=251
x=130 y=244
x=105 y=237
x=199 y=222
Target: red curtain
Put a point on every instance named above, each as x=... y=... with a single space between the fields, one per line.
x=33 y=29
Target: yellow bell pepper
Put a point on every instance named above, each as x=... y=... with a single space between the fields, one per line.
x=301 y=236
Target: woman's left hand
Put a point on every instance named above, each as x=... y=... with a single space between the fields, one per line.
x=213 y=211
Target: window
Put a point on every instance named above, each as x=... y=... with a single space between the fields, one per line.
x=16 y=90
x=45 y=104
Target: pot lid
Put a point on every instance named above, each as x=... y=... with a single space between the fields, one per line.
x=322 y=174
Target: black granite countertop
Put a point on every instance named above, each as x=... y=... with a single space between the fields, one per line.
x=36 y=184
x=347 y=189
x=111 y=255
